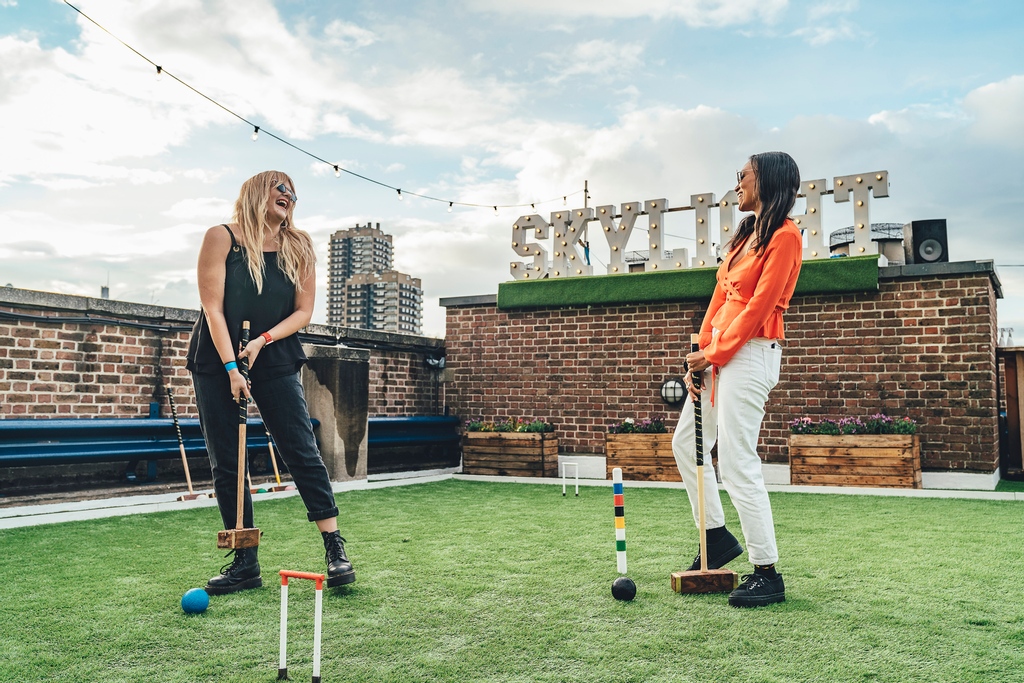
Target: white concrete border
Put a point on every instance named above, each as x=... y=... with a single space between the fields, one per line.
x=54 y=513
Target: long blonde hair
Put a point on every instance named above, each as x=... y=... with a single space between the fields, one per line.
x=296 y=256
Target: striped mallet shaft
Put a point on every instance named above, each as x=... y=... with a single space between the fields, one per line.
x=698 y=436
x=620 y=520
x=181 y=442
x=243 y=415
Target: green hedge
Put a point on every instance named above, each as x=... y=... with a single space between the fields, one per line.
x=821 y=276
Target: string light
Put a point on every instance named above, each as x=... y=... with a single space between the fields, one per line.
x=399 y=195
x=495 y=211
x=338 y=169
x=450 y=207
x=159 y=73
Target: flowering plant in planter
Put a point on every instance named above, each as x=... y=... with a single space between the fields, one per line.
x=876 y=424
x=648 y=425
x=510 y=425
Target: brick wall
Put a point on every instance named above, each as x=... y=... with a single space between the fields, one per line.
x=68 y=356
x=922 y=346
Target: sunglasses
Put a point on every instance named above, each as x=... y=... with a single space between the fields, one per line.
x=283 y=189
x=740 y=175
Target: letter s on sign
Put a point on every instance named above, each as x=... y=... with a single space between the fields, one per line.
x=524 y=229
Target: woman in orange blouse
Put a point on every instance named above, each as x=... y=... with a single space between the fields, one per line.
x=740 y=342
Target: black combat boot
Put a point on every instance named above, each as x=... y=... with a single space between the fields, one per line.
x=241 y=573
x=764 y=587
x=723 y=548
x=339 y=569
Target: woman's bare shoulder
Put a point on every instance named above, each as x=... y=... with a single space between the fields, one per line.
x=216 y=242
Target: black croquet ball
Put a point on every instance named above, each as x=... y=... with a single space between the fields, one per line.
x=623 y=588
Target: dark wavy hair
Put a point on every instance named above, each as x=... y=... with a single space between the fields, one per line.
x=778 y=183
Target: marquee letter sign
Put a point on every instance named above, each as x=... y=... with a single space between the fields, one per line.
x=568 y=227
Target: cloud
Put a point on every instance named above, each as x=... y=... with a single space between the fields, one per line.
x=27 y=250
x=820 y=10
x=348 y=36
x=922 y=121
x=208 y=208
x=998 y=111
x=596 y=58
x=695 y=13
x=824 y=26
x=819 y=35
x=440 y=107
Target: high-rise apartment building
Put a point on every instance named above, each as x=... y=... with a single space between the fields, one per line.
x=364 y=290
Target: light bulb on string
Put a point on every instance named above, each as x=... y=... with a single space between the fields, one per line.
x=495 y=211
x=255 y=133
x=450 y=204
x=159 y=73
x=337 y=172
x=564 y=200
x=399 y=194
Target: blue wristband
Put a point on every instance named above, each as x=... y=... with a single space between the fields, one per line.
x=230 y=366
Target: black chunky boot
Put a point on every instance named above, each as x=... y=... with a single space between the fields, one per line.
x=759 y=589
x=723 y=548
x=241 y=573
x=339 y=569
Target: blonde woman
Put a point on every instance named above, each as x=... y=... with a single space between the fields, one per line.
x=260 y=268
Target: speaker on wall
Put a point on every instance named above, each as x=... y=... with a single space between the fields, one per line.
x=925 y=241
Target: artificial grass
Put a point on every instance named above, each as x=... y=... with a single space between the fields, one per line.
x=1006 y=485
x=472 y=581
x=818 y=276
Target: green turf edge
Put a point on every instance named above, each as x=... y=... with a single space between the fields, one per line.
x=820 y=276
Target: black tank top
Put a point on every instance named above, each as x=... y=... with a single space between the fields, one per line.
x=263 y=310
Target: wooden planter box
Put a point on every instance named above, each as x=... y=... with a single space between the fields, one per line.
x=510 y=454
x=876 y=460
x=642 y=457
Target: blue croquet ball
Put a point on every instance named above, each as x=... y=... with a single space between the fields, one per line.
x=623 y=588
x=195 y=601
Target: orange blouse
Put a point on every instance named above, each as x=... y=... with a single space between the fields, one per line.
x=752 y=292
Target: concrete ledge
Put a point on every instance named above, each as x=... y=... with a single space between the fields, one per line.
x=940 y=269
x=775 y=473
x=127 y=312
x=441 y=473
x=960 y=480
x=479 y=300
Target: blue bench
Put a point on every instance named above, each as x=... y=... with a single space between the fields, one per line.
x=405 y=444
x=394 y=443
x=33 y=443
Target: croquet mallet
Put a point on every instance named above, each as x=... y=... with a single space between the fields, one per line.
x=277 y=472
x=191 y=495
x=703 y=580
x=240 y=537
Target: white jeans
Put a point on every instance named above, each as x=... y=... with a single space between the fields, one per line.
x=740 y=395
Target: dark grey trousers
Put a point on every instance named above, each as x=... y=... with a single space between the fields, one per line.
x=283 y=407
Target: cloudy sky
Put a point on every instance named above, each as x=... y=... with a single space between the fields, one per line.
x=108 y=175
